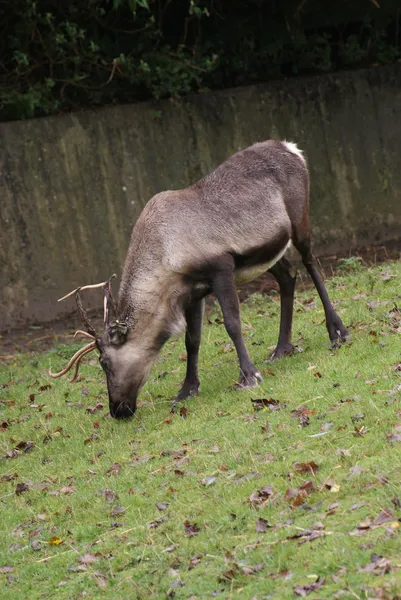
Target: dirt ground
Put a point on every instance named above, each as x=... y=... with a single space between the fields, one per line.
x=40 y=337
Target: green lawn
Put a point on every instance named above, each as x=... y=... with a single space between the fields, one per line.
x=211 y=503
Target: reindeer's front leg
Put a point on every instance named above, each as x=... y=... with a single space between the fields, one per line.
x=224 y=288
x=194 y=318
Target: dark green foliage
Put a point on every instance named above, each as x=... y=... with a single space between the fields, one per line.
x=57 y=55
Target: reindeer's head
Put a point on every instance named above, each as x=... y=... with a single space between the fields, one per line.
x=123 y=359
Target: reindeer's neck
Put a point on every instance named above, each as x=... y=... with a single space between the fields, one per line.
x=151 y=299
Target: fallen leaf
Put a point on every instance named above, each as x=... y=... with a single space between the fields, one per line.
x=141 y=459
x=304 y=590
x=307 y=535
x=109 y=495
x=11 y=454
x=183 y=412
x=397 y=502
x=229 y=575
x=395 y=435
x=9 y=477
x=284 y=574
x=25 y=446
x=296 y=496
x=195 y=560
x=355 y=471
x=91 y=438
x=261 y=497
x=55 y=541
x=162 y=505
x=343 y=452
x=6 y=569
x=262 y=525
x=115 y=469
x=68 y=489
x=307 y=467
x=357 y=505
x=302 y=414
x=252 y=570
x=270 y=403
x=176 y=454
x=245 y=477
x=360 y=431
x=208 y=480
x=43 y=388
x=117 y=510
x=191 y=529
x=332 y=508
x=21 y=488
x=87 y=559
x=357 y=417
x=331 y=485
x=170 y=548
x=156 y=523
x=384 y=517
x=378 y=565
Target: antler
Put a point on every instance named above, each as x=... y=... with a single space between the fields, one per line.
x=108 y=301
x=90 y=331
x=75 y=359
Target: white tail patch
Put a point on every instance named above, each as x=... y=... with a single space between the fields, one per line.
x=295 y=150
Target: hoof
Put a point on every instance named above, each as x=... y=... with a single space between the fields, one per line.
x=249 y=381
x=187 y=391
x=280 y=352
x=337 y=332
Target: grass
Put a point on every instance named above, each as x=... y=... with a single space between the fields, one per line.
x=162 y=507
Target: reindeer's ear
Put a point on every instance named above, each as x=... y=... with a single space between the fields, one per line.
x=118 y=333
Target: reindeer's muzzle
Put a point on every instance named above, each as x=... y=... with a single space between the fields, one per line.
x=121 y=410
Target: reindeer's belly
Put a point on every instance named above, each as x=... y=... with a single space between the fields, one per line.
x=252 y=268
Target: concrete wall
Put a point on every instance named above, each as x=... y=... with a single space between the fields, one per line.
x=72 y=186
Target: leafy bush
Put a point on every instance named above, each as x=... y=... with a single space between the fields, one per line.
x=58 y=56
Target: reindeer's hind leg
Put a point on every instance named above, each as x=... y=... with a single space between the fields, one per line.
x=194 y=318
x=286 y=277
x=337 y=332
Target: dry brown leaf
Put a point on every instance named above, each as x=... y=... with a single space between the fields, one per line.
x=191 y=529
x=304 y=590
x=68 y=489
x=262 y=525
x=260 y=498
x=306 y=467
x=378 y=565
x=297 y=496
x=87 y=559
x=115 y=469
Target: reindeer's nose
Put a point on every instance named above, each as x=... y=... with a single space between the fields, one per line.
x=122 y=411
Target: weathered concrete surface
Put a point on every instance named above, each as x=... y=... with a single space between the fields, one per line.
x=71 y=187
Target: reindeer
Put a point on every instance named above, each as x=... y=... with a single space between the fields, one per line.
x=229 y=227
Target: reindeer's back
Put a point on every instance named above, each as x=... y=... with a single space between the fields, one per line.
x=251 y=199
